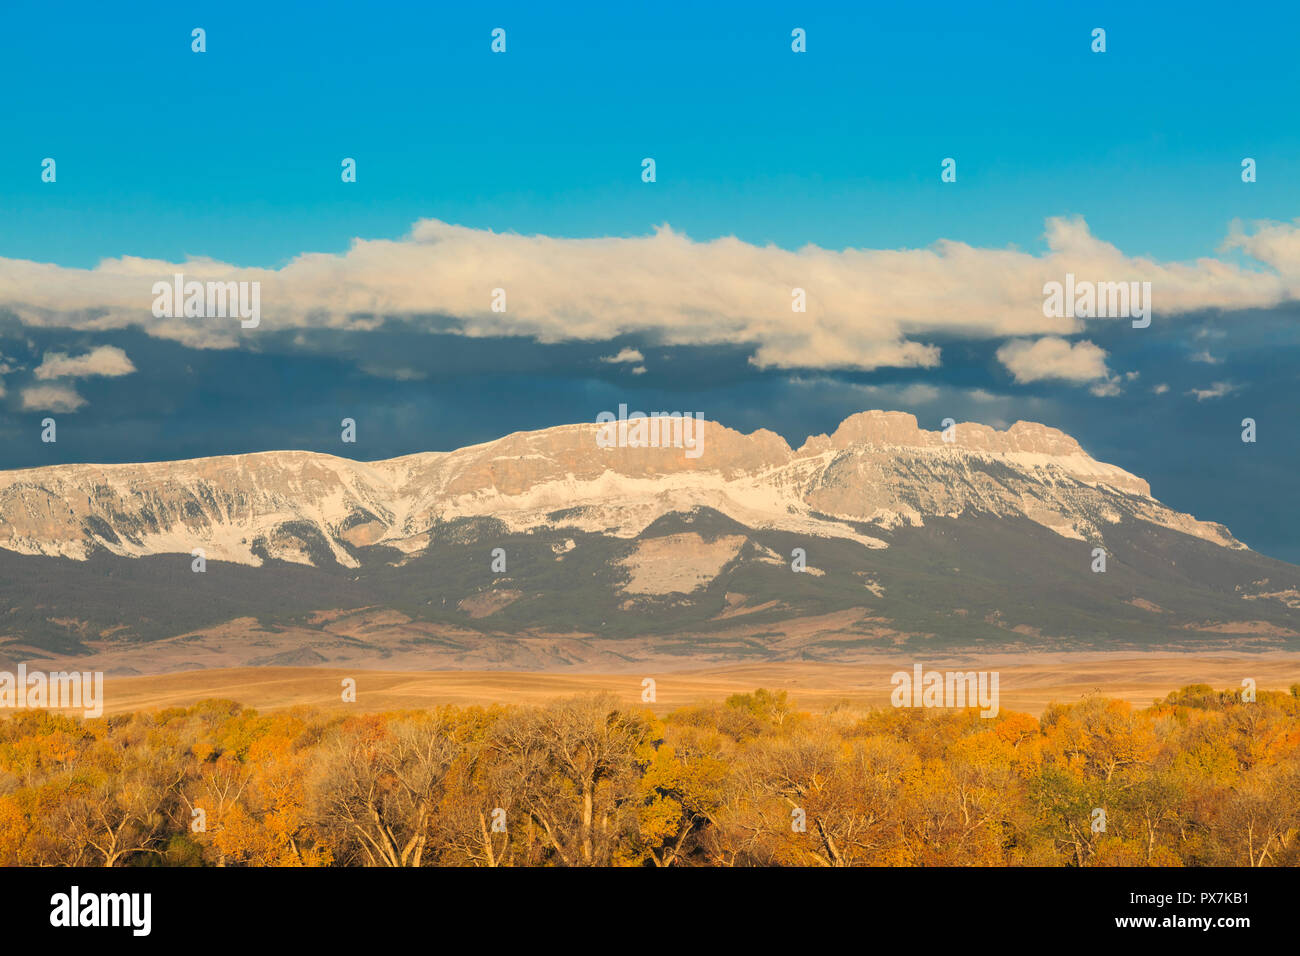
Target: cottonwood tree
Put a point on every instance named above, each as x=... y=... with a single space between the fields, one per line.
x=1262 y=815
x=573 y=765
x=129 y=802
x=845 y=791
x=377 y=786
x=680 y=792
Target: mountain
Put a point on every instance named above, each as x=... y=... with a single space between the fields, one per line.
x=971 y=538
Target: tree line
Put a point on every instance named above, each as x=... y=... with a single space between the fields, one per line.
x=1200 y=778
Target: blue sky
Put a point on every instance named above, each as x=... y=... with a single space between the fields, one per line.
x=234 y=155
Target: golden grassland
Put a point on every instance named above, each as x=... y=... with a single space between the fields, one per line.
x=1028 y=683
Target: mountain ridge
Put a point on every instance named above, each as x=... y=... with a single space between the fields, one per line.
x=547 y=549
x=877 y=469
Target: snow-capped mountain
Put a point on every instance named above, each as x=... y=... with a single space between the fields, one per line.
x=879 y=469
x=552 y=548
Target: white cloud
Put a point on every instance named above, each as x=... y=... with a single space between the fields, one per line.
x=1054 y=358
x=1217 y=390
x=868 y=307
x=626 y=355
x=1206 y=357
x=105 y=360
x=1160 y=389
x=51 y=398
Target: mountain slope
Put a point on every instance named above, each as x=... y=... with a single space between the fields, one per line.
x=984 y=540
x=878 y=468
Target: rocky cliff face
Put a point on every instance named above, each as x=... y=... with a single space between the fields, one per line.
x=878 y=470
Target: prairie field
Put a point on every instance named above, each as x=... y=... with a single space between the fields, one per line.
x=1028 y=683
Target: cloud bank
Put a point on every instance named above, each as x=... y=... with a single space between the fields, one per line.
x=866 y=308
